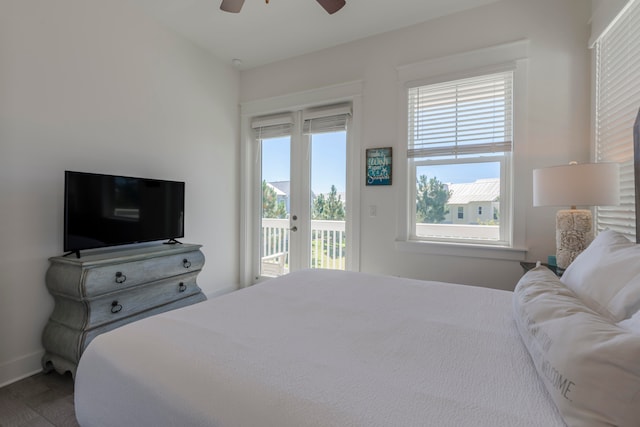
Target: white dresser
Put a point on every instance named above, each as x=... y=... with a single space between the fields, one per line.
x=102 y=291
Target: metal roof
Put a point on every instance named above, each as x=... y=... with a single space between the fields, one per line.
x=277 y=190
x=482 y=190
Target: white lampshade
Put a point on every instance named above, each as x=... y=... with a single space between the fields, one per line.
x=589 y=184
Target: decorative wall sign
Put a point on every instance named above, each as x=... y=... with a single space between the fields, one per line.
x=379 y=162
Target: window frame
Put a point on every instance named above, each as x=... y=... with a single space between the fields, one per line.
x=509 y=56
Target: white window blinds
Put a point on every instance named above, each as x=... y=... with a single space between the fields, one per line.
x=331 y=118
x=326 y=119
x=617 y=103
x=463 y=117
x=274 y=126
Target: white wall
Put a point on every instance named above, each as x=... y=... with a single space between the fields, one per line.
x=93 y=85
x=557 y=116
x=603 y=13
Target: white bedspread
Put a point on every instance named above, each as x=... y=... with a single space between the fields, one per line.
x=319 y=348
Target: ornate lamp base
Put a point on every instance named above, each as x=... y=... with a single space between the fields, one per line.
x=574 y=232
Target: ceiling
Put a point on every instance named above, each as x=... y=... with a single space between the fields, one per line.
x=262 y=33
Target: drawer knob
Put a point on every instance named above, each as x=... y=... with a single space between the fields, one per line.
x=182 y=287
x=186 y=263
x=115 y=307
x=120 y=278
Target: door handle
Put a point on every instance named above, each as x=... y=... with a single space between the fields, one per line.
x=294 y=228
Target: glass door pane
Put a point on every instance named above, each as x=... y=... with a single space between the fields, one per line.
x=276 y=192
x=301 y=195
x=328 y=200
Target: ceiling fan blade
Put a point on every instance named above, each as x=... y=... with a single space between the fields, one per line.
x=332 y=6
x=232 y=6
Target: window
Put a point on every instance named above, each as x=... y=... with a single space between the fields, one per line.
x=459 y=152
x=617 y=103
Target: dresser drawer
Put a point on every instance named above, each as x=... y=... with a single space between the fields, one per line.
x=90 y=334
x=113 y=277
x=69 y=341
x=119 y=305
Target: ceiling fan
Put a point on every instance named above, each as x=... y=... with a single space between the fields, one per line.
x=331 y=6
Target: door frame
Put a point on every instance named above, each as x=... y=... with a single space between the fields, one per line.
x=299 y=188
x=250 y=166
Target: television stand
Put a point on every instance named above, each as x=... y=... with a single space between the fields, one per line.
x=106 y=290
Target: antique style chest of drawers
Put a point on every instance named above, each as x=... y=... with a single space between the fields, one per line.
x=102 y=291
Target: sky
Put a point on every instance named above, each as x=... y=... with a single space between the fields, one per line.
x=328 y=155
x=461 y=173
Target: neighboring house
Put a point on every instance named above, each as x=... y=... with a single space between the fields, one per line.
x=474 y=202
x=282 y=189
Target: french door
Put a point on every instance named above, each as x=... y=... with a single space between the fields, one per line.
x=301 y=219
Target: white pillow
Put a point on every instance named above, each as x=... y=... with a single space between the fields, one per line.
x=606 y=276
x=589 y=365
x=631 y=324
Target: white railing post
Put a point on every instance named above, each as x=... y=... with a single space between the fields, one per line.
x=330 y=235
x=325 y=234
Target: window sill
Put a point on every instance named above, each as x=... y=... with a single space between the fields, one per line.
x=462 y=250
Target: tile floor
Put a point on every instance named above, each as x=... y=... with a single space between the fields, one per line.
x=42 y=400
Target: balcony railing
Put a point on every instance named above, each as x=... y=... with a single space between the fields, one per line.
x=328 y=245
x=459 y=231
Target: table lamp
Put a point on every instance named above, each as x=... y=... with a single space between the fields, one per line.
x=588 y=184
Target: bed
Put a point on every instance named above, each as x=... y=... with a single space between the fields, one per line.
x=333 y=348
x=322 y=348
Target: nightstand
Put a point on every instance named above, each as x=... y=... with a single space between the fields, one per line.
x=526 y=266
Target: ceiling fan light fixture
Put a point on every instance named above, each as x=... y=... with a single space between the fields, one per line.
x=332 y=6
x=232 y=6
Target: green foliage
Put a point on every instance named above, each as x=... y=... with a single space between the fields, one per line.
x=431 y=199
x=330 y=207
x=271 y=207
x=318 y=206
x=324 y=251
x=487 y=222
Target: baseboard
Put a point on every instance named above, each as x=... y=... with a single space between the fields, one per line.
x=25 y=366
x=22 y=367
x=219 y=292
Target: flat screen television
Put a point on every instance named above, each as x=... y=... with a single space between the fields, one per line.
x=109 y=210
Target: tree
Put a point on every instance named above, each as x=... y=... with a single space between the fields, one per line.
x=318 y=207
x=330 y=207
x=271 y=207
x=431 y=199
